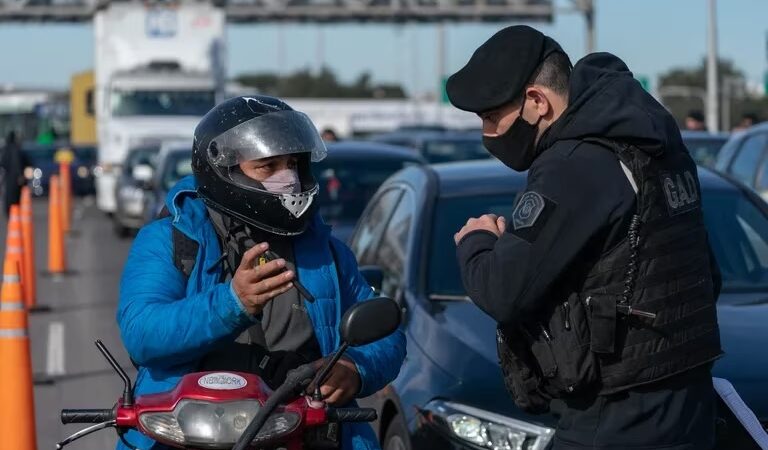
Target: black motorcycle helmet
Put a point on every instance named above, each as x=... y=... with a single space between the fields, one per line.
x=252 y=128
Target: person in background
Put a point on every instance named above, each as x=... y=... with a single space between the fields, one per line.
x=695 y=121
x=329 y=135
x=14 y=177
x=747 y=120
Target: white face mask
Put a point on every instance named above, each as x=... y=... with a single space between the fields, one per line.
x=285 y=181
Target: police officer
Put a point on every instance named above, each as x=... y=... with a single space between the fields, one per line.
x=602 y=280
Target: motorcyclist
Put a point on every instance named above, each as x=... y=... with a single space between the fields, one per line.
x=213 y=286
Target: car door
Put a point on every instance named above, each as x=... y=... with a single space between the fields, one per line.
x=392 y=252
x=367 y=236
x=748 y=159
x=761 y=178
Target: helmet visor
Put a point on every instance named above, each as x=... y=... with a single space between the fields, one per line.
x=274 y=134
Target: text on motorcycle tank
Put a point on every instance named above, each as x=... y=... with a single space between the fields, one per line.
x=222 y=381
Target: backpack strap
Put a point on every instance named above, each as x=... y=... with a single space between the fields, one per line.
x=184 y=252
x=184 y=248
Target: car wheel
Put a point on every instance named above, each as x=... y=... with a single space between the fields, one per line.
x=397 y=437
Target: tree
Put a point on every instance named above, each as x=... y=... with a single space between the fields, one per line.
x=683 y=90
x=323 y=85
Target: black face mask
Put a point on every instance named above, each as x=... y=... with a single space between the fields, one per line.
x=517 y=147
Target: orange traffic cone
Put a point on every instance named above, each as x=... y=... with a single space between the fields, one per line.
x=66 y=196
x=14 y=244
x=56 y=258
x=28 y=238
x=17 y=403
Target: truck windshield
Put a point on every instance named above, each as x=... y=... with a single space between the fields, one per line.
x=162 y=103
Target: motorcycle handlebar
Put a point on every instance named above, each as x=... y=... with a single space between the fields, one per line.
x=86 y=415
x=351 y=414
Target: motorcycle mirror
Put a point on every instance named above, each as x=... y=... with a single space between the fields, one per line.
x=363 y=323
x=128 y=390
x=369 y=321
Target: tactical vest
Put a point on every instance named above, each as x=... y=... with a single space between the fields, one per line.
x=641 y=311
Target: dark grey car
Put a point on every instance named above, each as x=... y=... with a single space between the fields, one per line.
x=131 y=189
x=351 y=174
x=439 y=146
x=745 y=158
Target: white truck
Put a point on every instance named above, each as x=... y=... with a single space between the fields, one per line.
x=158 y=69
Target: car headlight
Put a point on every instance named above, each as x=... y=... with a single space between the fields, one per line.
x=212 y=425
x=28 y=171
x=82 y=172
x=486 y=429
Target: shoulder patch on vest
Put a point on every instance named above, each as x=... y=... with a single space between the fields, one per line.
x=528 y=210
x=531 y=214
x=681 y=191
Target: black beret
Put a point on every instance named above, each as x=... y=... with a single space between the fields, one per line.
x=499 y=69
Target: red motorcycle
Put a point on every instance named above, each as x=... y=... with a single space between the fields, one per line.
x=232 y=410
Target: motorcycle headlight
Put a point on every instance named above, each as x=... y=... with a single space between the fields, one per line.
x=486 y=429
x=215 y=425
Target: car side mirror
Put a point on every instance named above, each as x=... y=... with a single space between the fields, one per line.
x=374 y=276
x=369 y=320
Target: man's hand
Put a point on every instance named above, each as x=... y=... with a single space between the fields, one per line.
x=343 y=382
x=490 y=222
x=256 y=285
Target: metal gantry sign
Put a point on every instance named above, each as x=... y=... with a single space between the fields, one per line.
x=305 y=10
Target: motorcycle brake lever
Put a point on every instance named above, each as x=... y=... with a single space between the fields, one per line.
x=85 y=432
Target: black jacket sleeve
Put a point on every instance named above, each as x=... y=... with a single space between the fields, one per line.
x=584 y=193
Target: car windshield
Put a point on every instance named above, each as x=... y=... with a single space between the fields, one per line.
x=454 y=150
x=704 y=150
x=738 y=233
x=178 y=165
x=451 y=214
x=141 y=156
x=346 y=184
x=162 y=103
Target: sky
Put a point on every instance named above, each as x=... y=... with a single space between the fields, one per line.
x=652 y=36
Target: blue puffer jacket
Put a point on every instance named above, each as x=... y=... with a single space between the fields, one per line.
x=167 y=322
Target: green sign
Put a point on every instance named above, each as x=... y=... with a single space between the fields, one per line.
x=644 y=81
x=765 y=84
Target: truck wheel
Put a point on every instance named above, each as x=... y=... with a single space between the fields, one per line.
x=397 y=436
